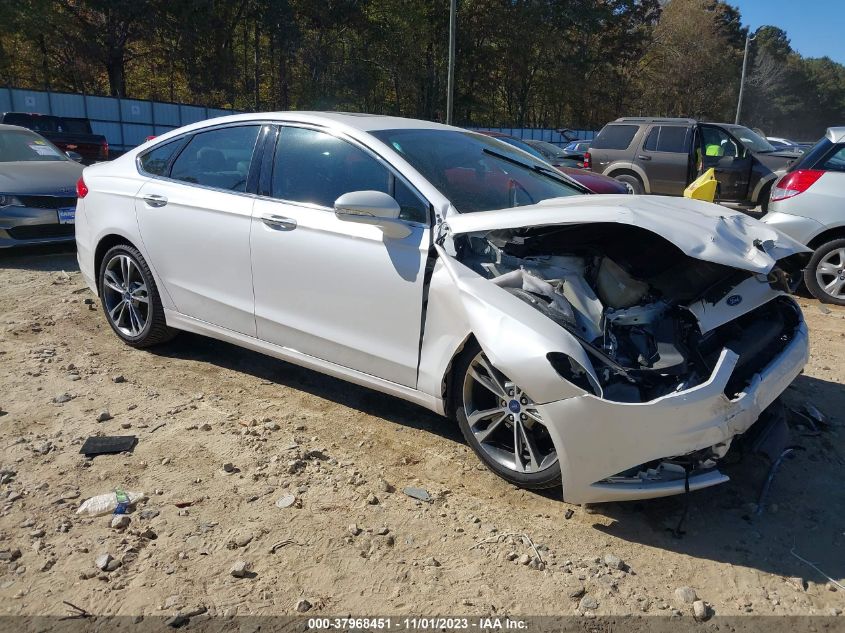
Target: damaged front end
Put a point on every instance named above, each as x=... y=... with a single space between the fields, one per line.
x=677 y=353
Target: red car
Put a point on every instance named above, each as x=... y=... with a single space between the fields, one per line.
x=597 y=183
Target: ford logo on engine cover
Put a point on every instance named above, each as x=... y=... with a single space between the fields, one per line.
x=734 y=300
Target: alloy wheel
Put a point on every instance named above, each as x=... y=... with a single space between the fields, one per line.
x=125 y=295
x=504 y=420
x=830 y=273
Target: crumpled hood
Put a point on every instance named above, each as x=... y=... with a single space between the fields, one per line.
x=40 y=177
x=700 y=229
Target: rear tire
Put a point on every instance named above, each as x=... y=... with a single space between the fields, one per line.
x=633 y=181
x=130 y=298
x=533 y=464
x=825 y=273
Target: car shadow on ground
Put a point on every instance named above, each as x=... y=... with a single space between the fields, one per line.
x=802 y=514
x=228 y=356
x=53 y=257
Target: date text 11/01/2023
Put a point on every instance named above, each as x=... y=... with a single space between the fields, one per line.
x=418 y=624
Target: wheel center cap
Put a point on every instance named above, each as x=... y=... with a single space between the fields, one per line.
x=514 y=406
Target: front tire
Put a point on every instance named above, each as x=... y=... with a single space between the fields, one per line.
x=130 y=298
x=825 y=273
x=501 y=423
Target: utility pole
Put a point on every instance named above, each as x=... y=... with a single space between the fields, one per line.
x=748 y=39
x=450 y=78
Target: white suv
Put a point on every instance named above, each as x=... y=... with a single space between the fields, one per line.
x=808 y=204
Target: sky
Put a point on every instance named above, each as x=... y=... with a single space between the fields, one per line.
x=815 y=27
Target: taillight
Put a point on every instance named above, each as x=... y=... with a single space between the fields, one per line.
x=104 y=149
x=81 y=188
x=588 y=161
x=795 y=182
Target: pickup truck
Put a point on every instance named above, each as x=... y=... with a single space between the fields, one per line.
x=67 y=133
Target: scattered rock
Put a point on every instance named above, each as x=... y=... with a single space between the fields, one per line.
x=286 y=501
x=228 y=467
x=431 y=562
x=685 y=595
x=353 y=529
x=302 y=605
x=104 y=416
x=614 y=562
x=62 y=398
x=524 y=559
x=243 y=539
x=205 y=427
x=576 y=592
x=372 y=500
x=417 y=493
x=382 y=531
x=120 y=521
x=118 y=379
x=588 y=603
x=797 y=582
x=569 y=513
x=10 y=554
x=384 y=486
x=102 y=561
x=148 y=513
x=271 y=426
x=241 y=569
x=700 y=610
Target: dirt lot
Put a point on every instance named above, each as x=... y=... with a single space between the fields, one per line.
x=347 y=453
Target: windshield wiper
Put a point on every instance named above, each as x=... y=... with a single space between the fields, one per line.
x=550 y=172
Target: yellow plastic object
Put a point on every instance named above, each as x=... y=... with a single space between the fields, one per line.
x=703 y=187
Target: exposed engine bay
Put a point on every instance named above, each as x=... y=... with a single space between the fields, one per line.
x=627 y=295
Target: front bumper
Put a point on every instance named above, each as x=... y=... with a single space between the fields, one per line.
x=598 y=439
x=27 y=226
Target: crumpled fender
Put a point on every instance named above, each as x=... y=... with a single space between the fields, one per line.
x=515 y=336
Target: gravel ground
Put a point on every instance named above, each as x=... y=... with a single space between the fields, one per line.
x=272 y=489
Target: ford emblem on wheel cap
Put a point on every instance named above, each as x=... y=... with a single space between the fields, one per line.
x=734 y=300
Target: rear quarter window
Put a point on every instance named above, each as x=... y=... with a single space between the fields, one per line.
x=836 y=161
x=615 y=137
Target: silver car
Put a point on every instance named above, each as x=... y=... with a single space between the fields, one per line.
x=37 y=189
x=807 y=204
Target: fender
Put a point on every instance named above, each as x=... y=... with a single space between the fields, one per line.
x=623 y=164
x=515 y=336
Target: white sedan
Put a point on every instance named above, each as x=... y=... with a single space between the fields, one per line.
x=614 y=344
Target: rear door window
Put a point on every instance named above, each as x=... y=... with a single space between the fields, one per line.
x=157 y=160
x=615 y=136
x=667 y=138
x=218 y=158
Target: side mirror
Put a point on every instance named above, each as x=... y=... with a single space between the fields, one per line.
x=77 y=158
x=372 y=207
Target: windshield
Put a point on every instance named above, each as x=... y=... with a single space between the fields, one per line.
x=20 y=146
x=476 y=172
x=751 y=140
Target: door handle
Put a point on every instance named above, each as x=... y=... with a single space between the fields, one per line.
x=644 y=157
x=279 y=222
x=155 y=200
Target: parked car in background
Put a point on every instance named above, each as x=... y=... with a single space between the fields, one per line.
x=779 y=142
x=611 y=345
x=37 y=189
x=663 y=156
x=578 y=148
x=595 y=183
x=808 y=204
x=68 y=133
x=557 y=155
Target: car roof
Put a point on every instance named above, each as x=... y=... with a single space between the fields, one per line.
x=836 y=134
x=358 y=120
x=639 y=119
